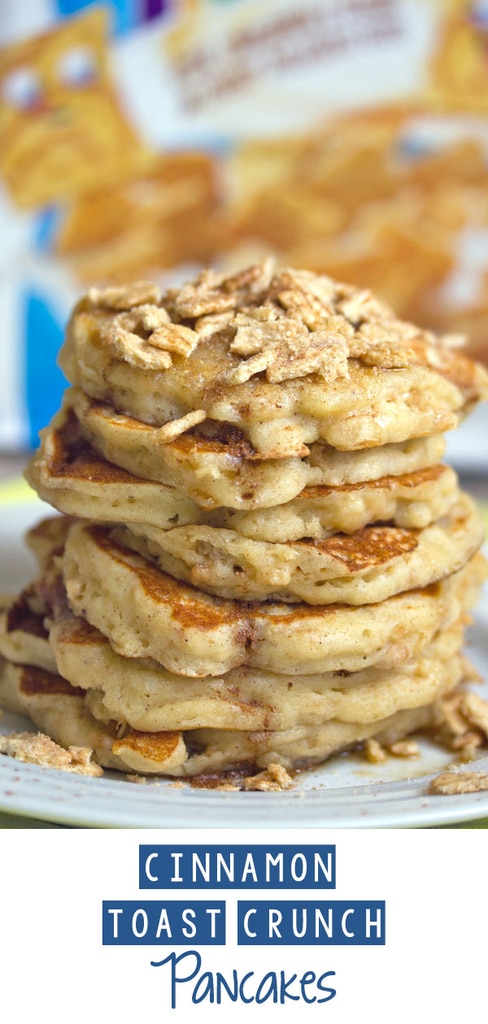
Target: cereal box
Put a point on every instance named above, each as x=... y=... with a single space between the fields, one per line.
x=147 y=138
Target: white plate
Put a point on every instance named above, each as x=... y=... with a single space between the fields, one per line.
x=346 y=793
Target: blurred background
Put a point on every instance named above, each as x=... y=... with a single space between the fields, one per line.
x=149 y=138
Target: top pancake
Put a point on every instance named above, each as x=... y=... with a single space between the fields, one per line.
x=288 y=358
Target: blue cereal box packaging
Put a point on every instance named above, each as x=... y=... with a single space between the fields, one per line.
x=144 y=139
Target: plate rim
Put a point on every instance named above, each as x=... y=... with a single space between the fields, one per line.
x=50 y=795
x=67 y=801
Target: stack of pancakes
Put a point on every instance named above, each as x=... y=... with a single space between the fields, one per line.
x=261 y=558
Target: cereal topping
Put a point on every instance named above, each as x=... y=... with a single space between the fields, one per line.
x=124 y=297
x=361 y=307
x=40 y=749
x=461 y=721
x=374 y=751
x=404 y=748
x=377 y=345
x=284 y=324
x=169 y=431
x=273 y=779
x=475 y=710
x=284 y=348
x=200 y=298
x=306 y=297
x=451 y=782
x=145 y=337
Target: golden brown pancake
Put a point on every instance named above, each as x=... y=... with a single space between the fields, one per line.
x=24 y=637
x=57 y=709
x=287 y=358
x=146 y=613
x=260 y=560
x=61 y=711
x=67 y=472
x=365 y=567
x=148 y=698
x=409 y=500
x=47 y=538
x=220 y=469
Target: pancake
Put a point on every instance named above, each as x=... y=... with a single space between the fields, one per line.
x=148 y=698
x=60 y=711
x=144 y=612
x=222 y=470
x=69 y=474
x=47 y=538
x=57 y=709
x=260 y=559
x=287 y=358
x=409 y=500
x=24 y=638
x=365 y=567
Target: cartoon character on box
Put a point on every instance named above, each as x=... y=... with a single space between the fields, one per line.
x=62 y=129
x=122 y=209
x=85 y=194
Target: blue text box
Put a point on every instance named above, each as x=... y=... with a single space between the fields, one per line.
x=154 y=922
x=311 y=923
x=237 y=867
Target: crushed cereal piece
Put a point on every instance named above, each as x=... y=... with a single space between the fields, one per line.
x=475 y=709
x=305 y=297
x=361 y=306
x=461 y=721
x=134 y=349
x=250 y=282
x=125 y=296
x=172 y=429
x=41 y=750
x=151 y=318
x=451 y=711
x=404 y=748
x=467 y=739
x=380 y=345
x=200 y=298
x=273 y=779
x=284 y=348
x=174 y=338
x=452 y=782
x=375 y=753
x=144 y=337
x=214 y=323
